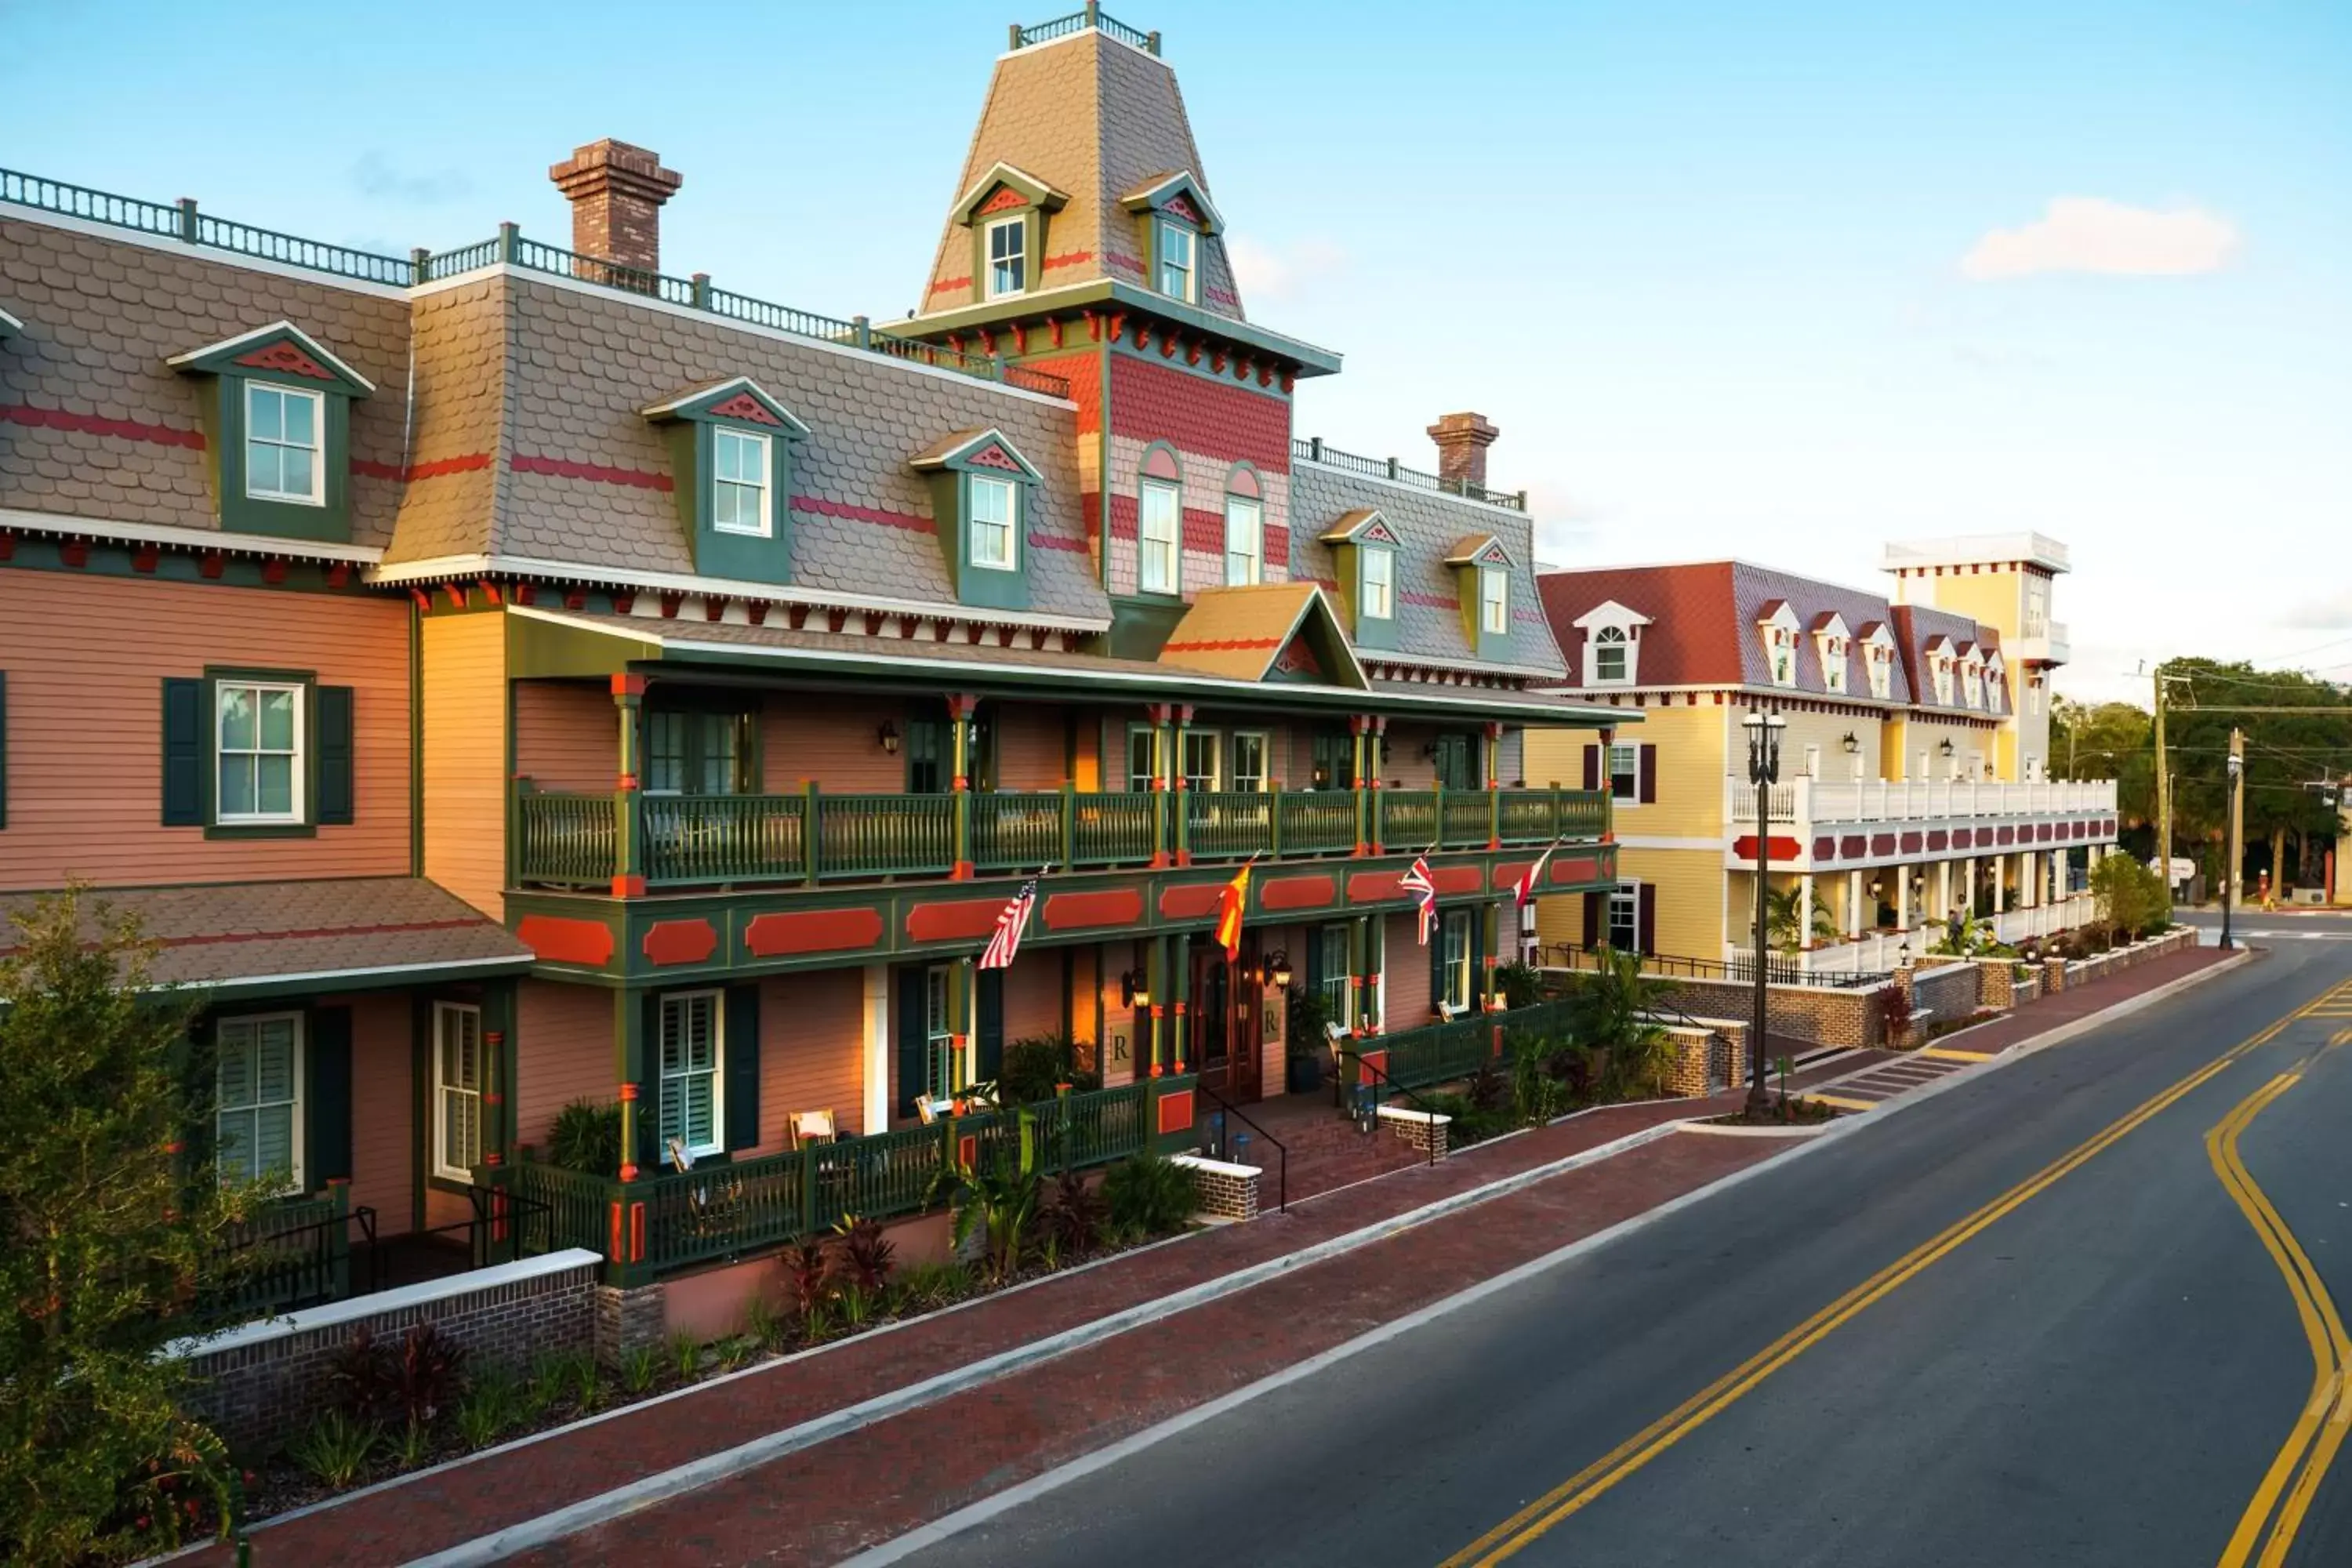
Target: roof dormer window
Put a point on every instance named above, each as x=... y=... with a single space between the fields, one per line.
x=1494 y=602
x=1363 y=553
x=284 y=430
x=1176 y=276
x=1941 y=665
x=1832 y=643
x=980 y=489
x=1612 y=643
x=1777 y=623
x=1612 y=657
x=1008 y=256
x=732 y=469
x=740 y=463
x=277 y=421
x=1878 y=658
x=1377 y=601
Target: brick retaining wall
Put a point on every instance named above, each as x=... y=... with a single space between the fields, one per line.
x=1226 y=1191
x=262 y=1382
x=1827 y=1016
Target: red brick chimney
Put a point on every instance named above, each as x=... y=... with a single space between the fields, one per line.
x=616 y=191
x=1462 y=442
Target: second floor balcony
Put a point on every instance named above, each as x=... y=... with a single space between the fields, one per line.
x=583 y=840
x=1820 y=824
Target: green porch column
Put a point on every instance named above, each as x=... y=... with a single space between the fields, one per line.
x=1494 y=788
x=1491 y=934
x=629 y=1047
x=628 y=847
x=1163 y=837
x=961 y=709
x=1359 y=733
x=1181 y=967
x=1361 y=1017
x=1182 y=715
x=1155 y=969
x=961 y=995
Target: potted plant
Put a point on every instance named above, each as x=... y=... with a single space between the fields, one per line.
x=1305 y=1040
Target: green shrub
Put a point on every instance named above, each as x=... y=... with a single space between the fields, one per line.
x=1036 y=1067
x=1151 y=1194
x=335 y=1449
x=2131 y=898
x=1306 y=1023
x=586 y=1138
x=1522 y=986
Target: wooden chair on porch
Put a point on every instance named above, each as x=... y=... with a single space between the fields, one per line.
x=814 y=1127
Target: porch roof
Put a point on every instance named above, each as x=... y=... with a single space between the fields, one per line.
x=331 y=933
x=851 y=657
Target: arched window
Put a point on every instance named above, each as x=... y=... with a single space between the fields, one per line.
x=1608 y=648
x=1160 y=523
x=1244 y=528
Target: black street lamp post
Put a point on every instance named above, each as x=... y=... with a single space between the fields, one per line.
x=1763 y=771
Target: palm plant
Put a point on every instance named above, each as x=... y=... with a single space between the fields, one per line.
x=998 y=1200
x=1615 y=1011
x=1784 y=921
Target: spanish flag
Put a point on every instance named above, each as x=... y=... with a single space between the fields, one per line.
x=1230 y=905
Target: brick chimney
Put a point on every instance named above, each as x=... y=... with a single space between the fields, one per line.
x=1462 y=442
x=616 y=191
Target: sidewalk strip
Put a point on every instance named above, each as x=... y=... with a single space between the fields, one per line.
x=1842 y=1104
x=1946 y=1054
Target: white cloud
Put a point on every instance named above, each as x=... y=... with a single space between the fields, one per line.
x=2089 y=234
x=1266 y=273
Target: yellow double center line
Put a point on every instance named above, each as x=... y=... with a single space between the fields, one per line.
x=1581 y=1489
x=2327 y=1418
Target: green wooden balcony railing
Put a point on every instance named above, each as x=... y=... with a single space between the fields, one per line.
x=574 y=840
x=672 y=1220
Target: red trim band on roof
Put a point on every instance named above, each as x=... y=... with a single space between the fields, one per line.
x=91 y=425
x=823 y=508
x=468 y=463
x=565 y=468
x=1055 y=541
x=1222 y=645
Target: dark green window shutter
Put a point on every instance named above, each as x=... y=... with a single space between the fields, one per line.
x=651 y=1156
x=743 y=1066
x=327 y=1098
x=332 y=717
x=990 y=1046
x=185 y=735
x=913 y=1035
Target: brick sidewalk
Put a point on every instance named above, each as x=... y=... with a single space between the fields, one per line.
x=824 y=1499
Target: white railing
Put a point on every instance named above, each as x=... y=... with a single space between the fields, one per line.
x=1882 y=953
x=1933 y=800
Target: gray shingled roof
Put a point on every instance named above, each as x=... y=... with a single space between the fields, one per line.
x=1427 y=523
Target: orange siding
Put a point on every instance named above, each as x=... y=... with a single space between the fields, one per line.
x=383 y=1101
x=567 y=735
x=812 y=1035
x=1407 y=975
x=563 y=1052
x=1032 y=995
x=465 y=757
x=831 y=740
x=86 y=658
x=1031 y=748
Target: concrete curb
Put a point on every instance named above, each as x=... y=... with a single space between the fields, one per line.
x=1713 y=1130
x=694 y=1474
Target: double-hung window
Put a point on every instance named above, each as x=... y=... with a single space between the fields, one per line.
x=1008 y=259
x=1625 y=917
x=1176 y=270
x=995 y=516
x=1141 y=768
x=1380 y=585
x=1332 y=966
x=1624 y=772
x=283 y=434
x=1609 y=648
x=1244 y=540
x=257 y=752
x=1159 y=524
x=738 y=483
x=1454 y=930
x=690 y=1082
x=1249 y=763
x=257 y=1108
x=1494 y=602
x=939 y=1035
x=457 y=1071
x=688 y=752
x=1200 y=748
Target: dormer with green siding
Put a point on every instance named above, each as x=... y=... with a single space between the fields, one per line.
x=278 y=432
x=1364 y=550
x=1482 y=572
x=731 y=447
x=981 y=493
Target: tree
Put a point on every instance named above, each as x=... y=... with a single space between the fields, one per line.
x=2285 y=754
x=1614 y=1008
x=1783 y=915
x=111 y=1233
x=2131 y=899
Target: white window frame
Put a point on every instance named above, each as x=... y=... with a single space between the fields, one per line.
x=1813 y=768
x=1180 y=255
x=1941 y=668
x=941 y=1067
x=1214 y=745
x=1626 y=895
x=1258 y=739
x=1631 y=756
x=1454 y=966
x=1494 y=601
x=317 y=494
x=1882 y=672
x=450 y=1096
x=1008 y=528
x=1378 y=571
x=1017 y=258
x=1833 y=665
x=724 y=438
x=1607 y=640
x=297 y=769
x=295 y=1075
x=1244 y=540
x=1159 y=541
x=716 y=1073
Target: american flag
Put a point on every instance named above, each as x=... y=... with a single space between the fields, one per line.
x=1001 y=948
x=1417 y=882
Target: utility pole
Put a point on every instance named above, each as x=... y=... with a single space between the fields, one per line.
x=2163 y=792
x=2237 y=827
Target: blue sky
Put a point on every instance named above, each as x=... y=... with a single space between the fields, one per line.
x=1722 y=273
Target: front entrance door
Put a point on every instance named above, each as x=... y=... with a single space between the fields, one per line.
x=1223 y=1020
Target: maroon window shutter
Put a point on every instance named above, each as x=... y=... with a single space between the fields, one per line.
x=1649 y=775
x=1645 y=918
x=1596 y=931
x=1592 y=767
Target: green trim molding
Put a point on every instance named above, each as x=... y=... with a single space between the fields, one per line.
x=692 y=423
x=950 y=466
x=285 y=357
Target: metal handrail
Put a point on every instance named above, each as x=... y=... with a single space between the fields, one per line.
x=1282 y=1169
x=1428 y=1107
x=1312 y=450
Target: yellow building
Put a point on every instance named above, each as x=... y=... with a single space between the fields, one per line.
x=1912 y=778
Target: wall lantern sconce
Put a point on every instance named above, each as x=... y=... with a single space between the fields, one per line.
x=1276 y=970
x=1852 y=744
x=1945 y=750
x=1384 y=748
x=1134 y=989
x=889 y=735
x=1429 y=751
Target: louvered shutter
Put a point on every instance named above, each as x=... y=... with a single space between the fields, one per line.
x=185 y=735
x=742 y=1067
x=332 y=734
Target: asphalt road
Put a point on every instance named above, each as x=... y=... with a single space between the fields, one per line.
x=2102 y=1373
